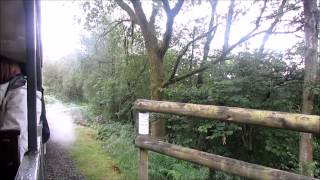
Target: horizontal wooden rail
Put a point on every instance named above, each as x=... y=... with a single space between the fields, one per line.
x=274 y=119
x=216 y=162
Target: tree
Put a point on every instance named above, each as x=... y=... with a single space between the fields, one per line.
x=156 y=49
x=311 y=20
x=227 y=47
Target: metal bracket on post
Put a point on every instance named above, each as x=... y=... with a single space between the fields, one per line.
x=143 y=130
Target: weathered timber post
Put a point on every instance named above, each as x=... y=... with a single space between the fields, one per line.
x=143 y=130
x=143 y=164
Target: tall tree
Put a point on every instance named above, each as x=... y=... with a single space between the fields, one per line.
x=310 y=79
x=155 y=48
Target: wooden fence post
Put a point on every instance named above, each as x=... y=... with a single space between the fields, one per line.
x=143 y=130
x=143 y=164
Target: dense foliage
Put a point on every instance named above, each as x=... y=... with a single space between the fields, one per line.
x=110 y=74
x=247 y=80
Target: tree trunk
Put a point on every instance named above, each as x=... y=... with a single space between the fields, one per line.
x=156 y=80
x=310 y=78
x=155 y=50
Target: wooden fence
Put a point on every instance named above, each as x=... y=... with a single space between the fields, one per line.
x=273 y=119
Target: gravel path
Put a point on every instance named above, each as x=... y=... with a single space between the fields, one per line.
x=59 y=165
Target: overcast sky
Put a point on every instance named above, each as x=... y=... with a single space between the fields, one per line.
x=60 y=30
x=61 y=34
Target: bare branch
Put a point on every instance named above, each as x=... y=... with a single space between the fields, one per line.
x=166 y=6
x=192 y=50
x=261 y=13
x=213 y=4
x=288 y=32
x=210 y=36
x=228 y=24
x=155 y=10
x=177 y=79
x=175 y=10
x=272 y=26
x=148 y=31
x=116 y=24
x=249 y=34
x=222 y=57
x=177 y=7
x=128 y=9
x=185 y=49
x=142 y=20
x=171 y=13
x=242 y=40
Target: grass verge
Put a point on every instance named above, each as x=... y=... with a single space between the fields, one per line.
x=91 y=159
x=118 y=141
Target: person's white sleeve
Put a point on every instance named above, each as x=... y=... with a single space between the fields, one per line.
x=16 y=115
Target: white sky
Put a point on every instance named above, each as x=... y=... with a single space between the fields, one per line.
x=240 y=27
x=61 y=33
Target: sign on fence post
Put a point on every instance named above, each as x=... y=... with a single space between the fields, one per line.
x=143 y=120
x=143 y=123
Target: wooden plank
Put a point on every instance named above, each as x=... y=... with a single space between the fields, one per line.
x=143 y=164
x=216 y=162
x=274 y=119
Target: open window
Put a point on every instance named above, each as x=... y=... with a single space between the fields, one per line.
x=20 y=42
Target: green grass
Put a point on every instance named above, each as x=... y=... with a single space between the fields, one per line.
x=118 y=143
x=110 y=155
x=91 y=158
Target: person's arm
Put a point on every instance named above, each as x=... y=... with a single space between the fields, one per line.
x=16 y=115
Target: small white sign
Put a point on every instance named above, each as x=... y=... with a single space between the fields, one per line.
x=144 y=123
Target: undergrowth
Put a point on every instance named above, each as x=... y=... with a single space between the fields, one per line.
x=118 y=141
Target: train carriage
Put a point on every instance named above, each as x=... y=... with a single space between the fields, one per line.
x=20 y=42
